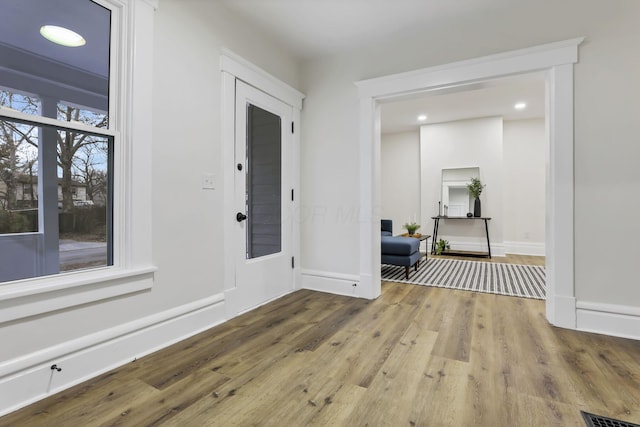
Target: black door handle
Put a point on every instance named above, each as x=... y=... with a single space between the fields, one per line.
x=240 y=217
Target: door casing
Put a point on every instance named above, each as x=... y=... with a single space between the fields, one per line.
x=234 y=67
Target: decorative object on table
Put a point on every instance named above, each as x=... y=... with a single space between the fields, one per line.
x=414 y=235
x=469 y=214
x=411 y=227
x=441 y=246
x=475 y=189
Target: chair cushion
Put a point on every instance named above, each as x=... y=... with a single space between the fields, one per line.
x=404 y=260
x=396 y=245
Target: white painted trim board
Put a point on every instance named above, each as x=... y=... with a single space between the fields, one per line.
x=29 y=378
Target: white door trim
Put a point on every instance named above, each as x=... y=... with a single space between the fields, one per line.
x=557 y=60
x=234 y=67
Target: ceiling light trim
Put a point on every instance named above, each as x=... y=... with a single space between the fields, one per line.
x=62 y=36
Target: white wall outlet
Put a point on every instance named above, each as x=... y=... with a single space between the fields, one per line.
x=208 y=181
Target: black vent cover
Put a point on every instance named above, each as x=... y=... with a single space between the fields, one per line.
x=599 y=421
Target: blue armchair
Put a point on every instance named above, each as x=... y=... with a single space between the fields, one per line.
x=398 y=250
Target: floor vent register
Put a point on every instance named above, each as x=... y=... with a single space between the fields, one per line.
x=600 y=421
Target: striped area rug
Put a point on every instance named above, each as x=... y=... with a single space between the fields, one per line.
x=505 y=279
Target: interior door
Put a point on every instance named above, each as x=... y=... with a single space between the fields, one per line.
x=263 y=196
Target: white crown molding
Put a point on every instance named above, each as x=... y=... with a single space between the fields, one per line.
x=517 y=61
x=249 y=73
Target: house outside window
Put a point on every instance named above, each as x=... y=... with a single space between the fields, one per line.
x=56 y=145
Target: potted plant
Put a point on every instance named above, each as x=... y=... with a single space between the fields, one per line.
x=411 y=227
x=441 y=246
x=475 y=189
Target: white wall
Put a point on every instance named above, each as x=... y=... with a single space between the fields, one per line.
x=186 y=221
x=524 y=148
x=400 y=177
x=606 y=127
x=523 y=183
x=462 y=144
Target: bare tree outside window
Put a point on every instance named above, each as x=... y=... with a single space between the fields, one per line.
x=18 y=159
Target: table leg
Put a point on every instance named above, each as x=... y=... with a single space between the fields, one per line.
x=435 y=235
x=486 y=229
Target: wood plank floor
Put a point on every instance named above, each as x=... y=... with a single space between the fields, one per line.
x=416 y=356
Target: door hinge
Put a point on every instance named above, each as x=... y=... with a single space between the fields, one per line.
x=292 y=127
x=292 y=195
x=293 y=262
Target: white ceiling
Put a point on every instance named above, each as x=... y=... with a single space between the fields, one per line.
x=314 y=28
x=486 y=99
x=307 y=29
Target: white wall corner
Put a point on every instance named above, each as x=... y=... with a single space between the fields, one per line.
x=525 y=248
x=29 y=378
x=609 y=319
x=155 y=4
x=564 y=311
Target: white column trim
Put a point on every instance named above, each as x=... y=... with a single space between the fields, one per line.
x=559 y=223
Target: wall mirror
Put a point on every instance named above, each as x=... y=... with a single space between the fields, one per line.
x=456 y=200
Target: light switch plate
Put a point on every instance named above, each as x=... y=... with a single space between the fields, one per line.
x=208 y=181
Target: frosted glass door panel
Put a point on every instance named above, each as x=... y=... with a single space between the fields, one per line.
x=264 y=182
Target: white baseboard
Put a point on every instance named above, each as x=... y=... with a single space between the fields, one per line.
x=29 y=378
x=563 y=312
x=609 y=319
x=524 y=248
x=497 y=249
x=333 y=283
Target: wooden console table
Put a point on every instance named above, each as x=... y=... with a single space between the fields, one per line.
x=436 y=226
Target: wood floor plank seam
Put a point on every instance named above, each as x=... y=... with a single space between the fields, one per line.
x=415 y=356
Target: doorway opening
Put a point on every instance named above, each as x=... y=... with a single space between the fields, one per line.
x=434 y=143
x=556 y=61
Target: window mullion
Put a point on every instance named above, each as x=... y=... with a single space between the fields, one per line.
x=48 y=192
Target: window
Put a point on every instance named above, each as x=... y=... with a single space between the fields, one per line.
x=55 y=140
x=115 y=130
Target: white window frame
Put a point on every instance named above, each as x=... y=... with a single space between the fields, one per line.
x=130 y=124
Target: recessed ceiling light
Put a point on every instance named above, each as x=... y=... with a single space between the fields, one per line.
x=62 y=36
x=520 y=106
x=422 y=117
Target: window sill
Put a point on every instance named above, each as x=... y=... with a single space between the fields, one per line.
x=27 y=298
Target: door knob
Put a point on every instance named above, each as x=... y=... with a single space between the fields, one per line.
x=240 y=217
